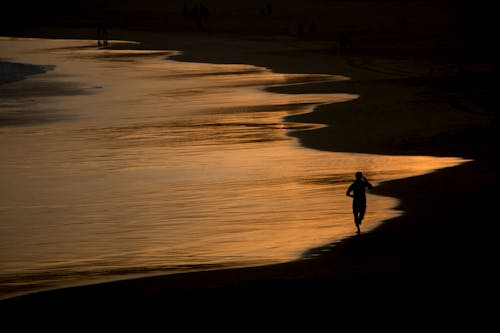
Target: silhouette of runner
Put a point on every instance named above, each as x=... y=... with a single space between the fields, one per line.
x=357 y=191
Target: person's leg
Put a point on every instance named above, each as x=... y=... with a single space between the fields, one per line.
x=355 y=212
x=362 y=211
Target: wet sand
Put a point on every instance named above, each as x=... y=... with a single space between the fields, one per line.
x=414 y=102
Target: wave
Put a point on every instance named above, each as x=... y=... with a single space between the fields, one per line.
x=14 y=71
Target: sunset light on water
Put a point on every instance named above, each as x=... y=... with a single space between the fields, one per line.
x=124 y=162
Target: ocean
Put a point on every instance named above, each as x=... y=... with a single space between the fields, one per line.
x=123 y=162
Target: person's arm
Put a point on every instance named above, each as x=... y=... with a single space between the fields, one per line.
x=368 y=185
x=348 y=192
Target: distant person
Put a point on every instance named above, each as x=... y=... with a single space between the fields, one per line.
x=344 y=41
x=200 y=13
x=357 y=191
x=102 y=34
x=269 y=9
x=312 y=27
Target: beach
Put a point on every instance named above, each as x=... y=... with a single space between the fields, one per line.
x=413 y=100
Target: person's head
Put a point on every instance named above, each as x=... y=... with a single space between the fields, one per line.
x=359 y=175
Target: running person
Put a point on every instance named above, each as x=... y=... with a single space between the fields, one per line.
x=357 y=191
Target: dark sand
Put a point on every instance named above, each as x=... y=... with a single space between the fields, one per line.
x=427 y=82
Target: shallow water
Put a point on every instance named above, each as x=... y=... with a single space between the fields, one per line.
x=117 y=163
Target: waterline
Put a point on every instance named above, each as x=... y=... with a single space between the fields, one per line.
x=122 y=163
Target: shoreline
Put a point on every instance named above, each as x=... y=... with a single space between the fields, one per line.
x=391 y=255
